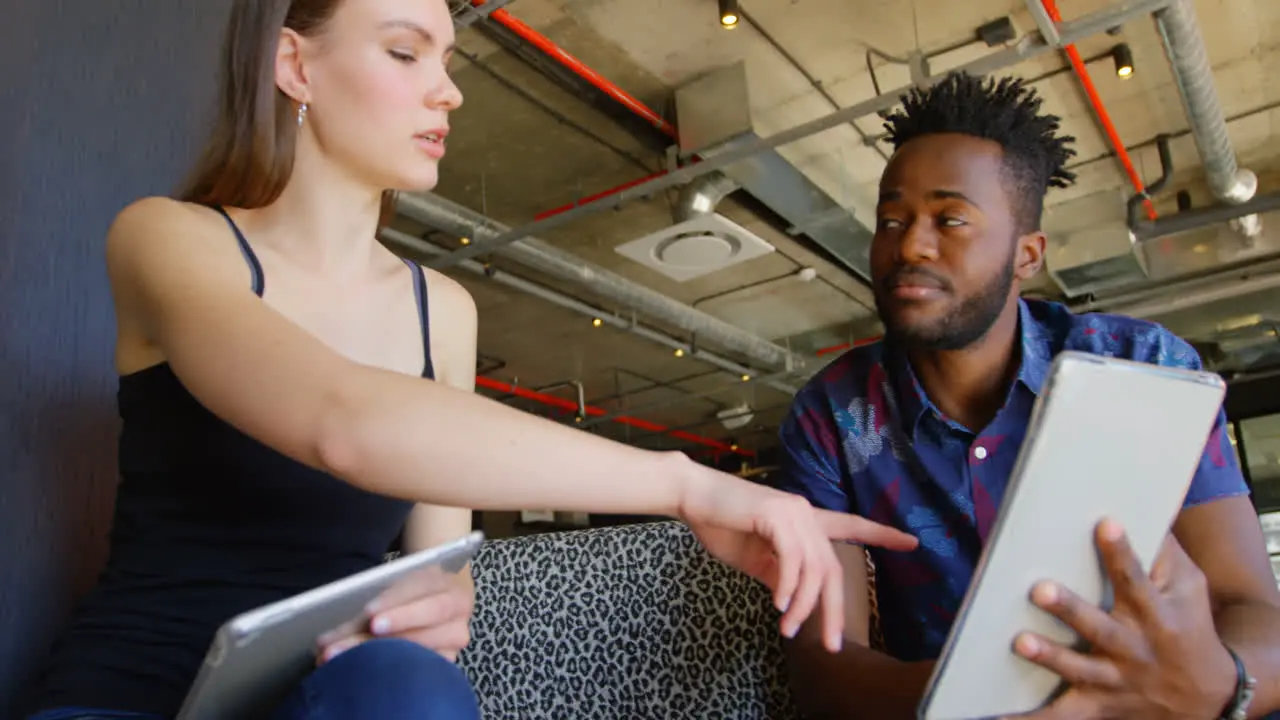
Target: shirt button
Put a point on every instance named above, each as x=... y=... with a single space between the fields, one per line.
x=980 y=453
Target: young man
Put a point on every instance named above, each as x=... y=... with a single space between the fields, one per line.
x=921 y=432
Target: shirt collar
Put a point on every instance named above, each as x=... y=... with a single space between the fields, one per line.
x=1037 y=355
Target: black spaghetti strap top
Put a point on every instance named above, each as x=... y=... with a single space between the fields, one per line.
x=208 y=523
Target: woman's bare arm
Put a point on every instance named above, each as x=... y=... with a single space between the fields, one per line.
x=379 y=430
x=454 y=335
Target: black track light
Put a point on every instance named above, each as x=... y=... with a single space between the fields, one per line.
x=729 y=14
x=1123 y=58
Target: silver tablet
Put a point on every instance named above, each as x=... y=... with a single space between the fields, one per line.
x=1107 y=438
x=258 y=657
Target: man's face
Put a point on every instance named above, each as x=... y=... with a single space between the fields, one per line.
x=946 y=247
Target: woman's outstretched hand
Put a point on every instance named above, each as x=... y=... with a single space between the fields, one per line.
x=784 y=542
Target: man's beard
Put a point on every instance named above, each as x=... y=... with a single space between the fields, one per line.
x=962 y=326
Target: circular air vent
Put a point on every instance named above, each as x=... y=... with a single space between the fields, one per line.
x=697 y=250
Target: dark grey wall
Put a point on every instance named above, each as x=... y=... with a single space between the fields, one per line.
x=100 y=103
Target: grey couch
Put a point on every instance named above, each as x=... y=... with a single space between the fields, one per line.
x=631 y=622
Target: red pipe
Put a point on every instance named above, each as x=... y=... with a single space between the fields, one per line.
x=1077 y=63
x=598 y=196
x=579 y=68
x=563 y=403
x=847 y=346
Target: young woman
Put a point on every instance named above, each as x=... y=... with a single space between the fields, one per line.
x=294 y=395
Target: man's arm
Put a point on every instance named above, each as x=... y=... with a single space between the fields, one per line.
x=1224 y=538
x=857 y=682
x=1219 y=530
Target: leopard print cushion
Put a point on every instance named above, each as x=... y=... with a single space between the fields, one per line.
x=627 y=622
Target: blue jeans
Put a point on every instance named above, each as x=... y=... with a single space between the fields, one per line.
x=387 y=679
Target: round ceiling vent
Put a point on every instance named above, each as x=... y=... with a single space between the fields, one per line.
x=697 y=250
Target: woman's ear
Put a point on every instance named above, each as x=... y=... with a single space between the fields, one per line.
x=291 y=75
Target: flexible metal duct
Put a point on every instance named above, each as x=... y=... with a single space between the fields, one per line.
x=1192 y=73
x=450 y=217
x=702 y=195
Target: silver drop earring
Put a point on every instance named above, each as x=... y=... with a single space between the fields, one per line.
x=302 y=113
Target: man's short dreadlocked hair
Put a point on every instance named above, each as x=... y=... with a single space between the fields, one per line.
x=1005 y=111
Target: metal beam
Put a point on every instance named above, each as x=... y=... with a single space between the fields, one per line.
x=471 y=14
x=1166 y=305
x=423 y=248
x=1045 y=24
x=1028 y=47
x=1196 y=219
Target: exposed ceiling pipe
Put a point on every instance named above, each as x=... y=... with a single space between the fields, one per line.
x=413 y=245
x=579 y=68
x=1100 y=110
x=450 y=217
x=598 y=196
x=701 y=196
x=1166 y=175
x=831 y=349
x=1193 y=75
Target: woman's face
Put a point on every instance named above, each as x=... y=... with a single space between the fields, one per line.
x=377 y=89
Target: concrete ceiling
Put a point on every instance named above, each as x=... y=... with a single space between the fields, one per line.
x=524 y=144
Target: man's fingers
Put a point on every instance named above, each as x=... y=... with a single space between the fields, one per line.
x=1095 y=626
x=1077 y=669
x=1132 y=586
x=853 y=528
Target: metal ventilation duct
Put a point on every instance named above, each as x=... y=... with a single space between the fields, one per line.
x=702 y=195
x=714 y=117
x=1193 y=75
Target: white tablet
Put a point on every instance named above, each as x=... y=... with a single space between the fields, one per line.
x=258 y=657
x=1107 y=438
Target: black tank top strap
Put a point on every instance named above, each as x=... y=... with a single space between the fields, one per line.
x=420 y=291
x=255 y=267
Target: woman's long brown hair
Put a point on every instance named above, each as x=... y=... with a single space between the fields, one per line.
x=249 y=156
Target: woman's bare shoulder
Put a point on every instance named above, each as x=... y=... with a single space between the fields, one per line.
x=154 y=232
x=449 y=298
x=157 y=215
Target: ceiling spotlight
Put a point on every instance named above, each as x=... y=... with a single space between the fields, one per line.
x=1123 y=58
x=596 y=322
x=729 y=14
x=746 y=377
x=464 y=240
x=679 y=352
